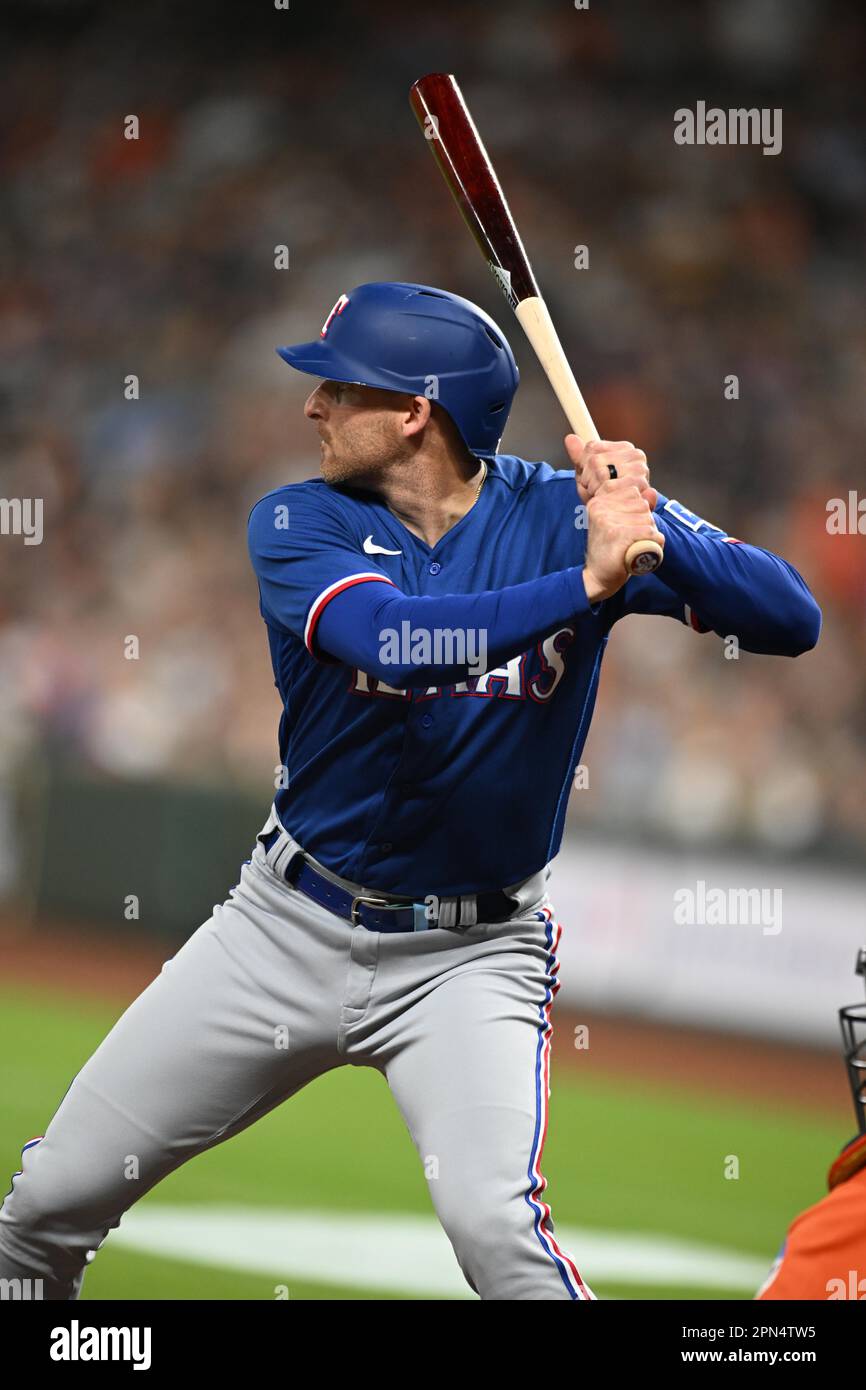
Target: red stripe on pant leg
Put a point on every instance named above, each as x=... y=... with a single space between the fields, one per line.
x=542 y=1183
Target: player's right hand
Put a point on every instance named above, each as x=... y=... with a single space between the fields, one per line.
x=617 y=514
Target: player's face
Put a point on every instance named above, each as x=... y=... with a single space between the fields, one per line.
x=359 y=428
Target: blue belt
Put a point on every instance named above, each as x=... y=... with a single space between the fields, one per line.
x=372 y=912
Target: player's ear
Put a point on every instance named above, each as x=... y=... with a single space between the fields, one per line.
x=416 y=416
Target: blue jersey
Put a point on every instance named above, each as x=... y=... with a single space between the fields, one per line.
x=436 y=700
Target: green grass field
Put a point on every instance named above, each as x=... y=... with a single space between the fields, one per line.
x=626 y=1158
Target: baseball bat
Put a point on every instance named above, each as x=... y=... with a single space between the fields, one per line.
x=465 y=165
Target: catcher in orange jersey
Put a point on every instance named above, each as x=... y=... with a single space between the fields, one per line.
x=824 y=1253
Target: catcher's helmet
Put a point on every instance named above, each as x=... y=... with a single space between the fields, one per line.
x=423 y=341
x=853 y=1021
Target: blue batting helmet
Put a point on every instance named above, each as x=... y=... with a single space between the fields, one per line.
x=423 y=341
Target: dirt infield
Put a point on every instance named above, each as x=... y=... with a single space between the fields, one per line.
x=100 y=966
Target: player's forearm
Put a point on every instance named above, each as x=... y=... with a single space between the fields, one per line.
x=741 y=590
x=413 y=641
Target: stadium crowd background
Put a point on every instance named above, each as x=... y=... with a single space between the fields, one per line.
x=261 y=128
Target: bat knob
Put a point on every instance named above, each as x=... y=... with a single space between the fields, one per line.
x=642 y=557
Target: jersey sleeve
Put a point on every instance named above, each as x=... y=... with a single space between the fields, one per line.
x=363 y=628
x=715 y=582
x=649 y=593
x=304 y=555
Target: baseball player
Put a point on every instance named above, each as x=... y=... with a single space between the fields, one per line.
x=437 y=613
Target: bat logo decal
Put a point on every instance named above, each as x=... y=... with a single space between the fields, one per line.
x=503 y=279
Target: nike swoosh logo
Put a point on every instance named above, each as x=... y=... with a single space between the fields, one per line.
x=371 y=548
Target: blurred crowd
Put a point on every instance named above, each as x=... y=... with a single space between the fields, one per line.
x=259 y=128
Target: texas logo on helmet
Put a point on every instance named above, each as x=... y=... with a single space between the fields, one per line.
x=337 y=309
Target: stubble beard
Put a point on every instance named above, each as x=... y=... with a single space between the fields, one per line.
x=364 y=459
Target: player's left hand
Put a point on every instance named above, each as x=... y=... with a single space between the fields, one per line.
x=591 y=465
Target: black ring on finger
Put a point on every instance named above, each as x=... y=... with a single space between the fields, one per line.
x=611 y=468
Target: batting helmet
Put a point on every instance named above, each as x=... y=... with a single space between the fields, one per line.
x=423 y=341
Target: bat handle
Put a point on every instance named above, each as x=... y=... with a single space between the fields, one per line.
x=642 y=557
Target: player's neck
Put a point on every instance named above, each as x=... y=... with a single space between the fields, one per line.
x=434 y=495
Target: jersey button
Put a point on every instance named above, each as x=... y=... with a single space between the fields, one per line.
x=386 y=847
x=426 y=721
x=435 y=567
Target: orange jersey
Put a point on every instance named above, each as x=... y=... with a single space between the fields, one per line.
x=824 y=1254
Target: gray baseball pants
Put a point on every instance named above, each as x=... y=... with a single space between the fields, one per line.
x=273 y=991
